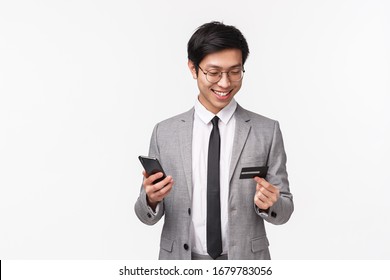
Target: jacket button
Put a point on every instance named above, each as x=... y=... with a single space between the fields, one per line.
x=273 y=214
x=186 y=247
x=149 y=215
x=189 y=211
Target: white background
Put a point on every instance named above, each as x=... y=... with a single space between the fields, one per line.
x=82 y=84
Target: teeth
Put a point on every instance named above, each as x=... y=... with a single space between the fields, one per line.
x=221 y=93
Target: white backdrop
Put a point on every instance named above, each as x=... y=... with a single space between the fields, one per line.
x=82 y=84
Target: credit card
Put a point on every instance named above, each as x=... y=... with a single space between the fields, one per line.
x=251 y=172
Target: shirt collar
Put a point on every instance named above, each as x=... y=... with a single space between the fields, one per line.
x=224 y=115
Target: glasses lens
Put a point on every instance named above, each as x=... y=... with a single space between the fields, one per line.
x=213 y=76
x=236 y=75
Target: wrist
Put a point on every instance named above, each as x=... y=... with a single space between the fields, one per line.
x=151 y=204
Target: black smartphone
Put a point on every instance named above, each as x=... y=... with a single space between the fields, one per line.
x=152 y=166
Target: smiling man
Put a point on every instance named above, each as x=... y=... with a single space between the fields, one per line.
x=226 y=166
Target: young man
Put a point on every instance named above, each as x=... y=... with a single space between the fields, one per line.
x=210 y=212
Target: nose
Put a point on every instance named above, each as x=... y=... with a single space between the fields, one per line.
x=224 y=82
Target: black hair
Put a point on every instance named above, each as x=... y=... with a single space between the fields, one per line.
x=213 y=37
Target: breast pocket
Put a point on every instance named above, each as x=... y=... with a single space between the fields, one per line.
x=253 y=161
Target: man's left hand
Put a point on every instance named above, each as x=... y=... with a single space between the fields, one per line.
x=266 y=194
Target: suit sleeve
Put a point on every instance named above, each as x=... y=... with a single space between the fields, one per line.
x=281 y=211
x=141 y=208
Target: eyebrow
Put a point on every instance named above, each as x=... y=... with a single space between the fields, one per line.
x=219 y=67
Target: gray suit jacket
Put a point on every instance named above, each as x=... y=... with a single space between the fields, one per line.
x=257 y=142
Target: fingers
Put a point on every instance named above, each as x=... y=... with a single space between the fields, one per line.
x=261 y=182
x=266 y=194
x=157 y=192
x=148 y=180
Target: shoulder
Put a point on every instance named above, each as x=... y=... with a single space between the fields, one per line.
x=167 y=128
x=254 y=118
x=261 y=127
x=181 y=118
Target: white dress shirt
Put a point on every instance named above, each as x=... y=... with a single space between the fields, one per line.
x=200 y=144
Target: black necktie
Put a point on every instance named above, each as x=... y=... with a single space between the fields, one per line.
x=214 y=239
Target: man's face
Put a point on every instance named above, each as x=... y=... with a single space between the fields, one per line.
x=215 y=96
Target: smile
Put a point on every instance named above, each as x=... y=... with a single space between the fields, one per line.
x=221 y=93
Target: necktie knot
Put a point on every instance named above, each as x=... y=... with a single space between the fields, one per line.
x=214 y=121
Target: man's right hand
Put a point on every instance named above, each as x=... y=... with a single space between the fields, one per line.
x=156 y=193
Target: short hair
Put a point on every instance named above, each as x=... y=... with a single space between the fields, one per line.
x=213 y=37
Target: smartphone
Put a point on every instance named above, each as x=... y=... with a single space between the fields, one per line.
x=152 y=166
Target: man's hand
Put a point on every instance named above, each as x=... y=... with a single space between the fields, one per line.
x=266 y=194
x=155 y=193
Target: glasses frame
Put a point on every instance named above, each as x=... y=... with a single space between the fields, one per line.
x=221 y=74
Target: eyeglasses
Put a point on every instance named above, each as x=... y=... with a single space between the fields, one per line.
x=214 y=76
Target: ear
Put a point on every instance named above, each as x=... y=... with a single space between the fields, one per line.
x=192 y=68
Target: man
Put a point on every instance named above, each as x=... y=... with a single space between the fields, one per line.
x=210 y=213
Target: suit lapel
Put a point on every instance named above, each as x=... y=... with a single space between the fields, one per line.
x=240 y=136
x=185 y=132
